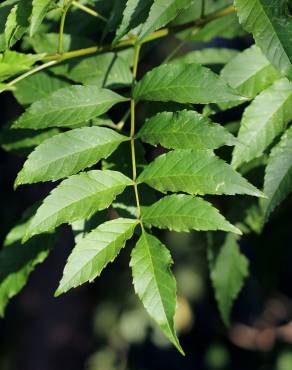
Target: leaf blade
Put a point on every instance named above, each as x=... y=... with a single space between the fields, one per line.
x=154 y=283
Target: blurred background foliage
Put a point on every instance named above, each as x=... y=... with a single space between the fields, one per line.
x=102 y=326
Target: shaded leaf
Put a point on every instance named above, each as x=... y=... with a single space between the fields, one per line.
x=265 y=118
x=228 y=270
x=278 y=177
x=39 y=11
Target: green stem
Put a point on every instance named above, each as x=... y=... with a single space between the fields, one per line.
x=132 y=131
x=203 y=8
x=130 y=42
x=88 y=10
x=66 y=7
x=31 y=72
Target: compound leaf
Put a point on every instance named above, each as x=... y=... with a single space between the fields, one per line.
x=92 y=253
x=155 y=284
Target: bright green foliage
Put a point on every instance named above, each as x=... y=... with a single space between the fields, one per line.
x=184 y=83
x=92 y=253
x=270 y=24
x=180 y=212
x=39 y=11
x=105 y=70
x=134 y=14
x=229 y=269
x=86 y=60
x=161 y=13
x=17 y=261
x=68 y=107
x=12 y=62
x=208 y=56
x=68 y=153
x=37 y=87
x=278 y=177
x=195 y=172
x=155 y=284
x=76 y=198
x=184 y=130
x=262 y=121
x=250 y=72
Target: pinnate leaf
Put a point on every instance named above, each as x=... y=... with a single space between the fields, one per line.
x=270 y=24
x=195 y=172
x=184 y=130
x=92 y=253
x=265 y=119
x=184 y=83
x=228 y=270
x=68 y=107
x=68 y=153
x=155 y=284
x=278 y=177
x=77 y=198
x=180 y=212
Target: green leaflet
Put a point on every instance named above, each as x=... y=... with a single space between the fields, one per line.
x=278 y=177
x=155 y=284
x=250 y=72
x=135 y=13
x=17 y=261
x=228 y=270
x=17 y=22
x=69 y=153
x=76 y=198
x=37 y=87
x=180 y=212
x=184 y=83
x=265 y=118
x=68 y=107
x=12 y=62
x=39 y=11
x=104 y=70
x=161 y=13
x=92 y=253
x=195 y=172
x=184 y=130
x=271 y=26
x=208 y=56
